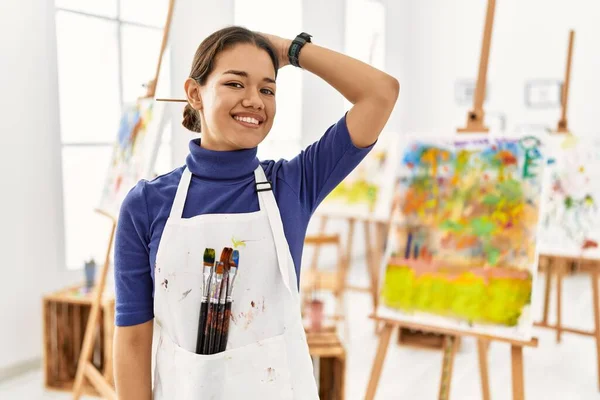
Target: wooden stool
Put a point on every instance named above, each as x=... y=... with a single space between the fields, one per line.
x=65 y=315
x=332 y=363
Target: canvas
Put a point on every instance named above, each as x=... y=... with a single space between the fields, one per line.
x=366 y=193
x=134 y=152
x=462 y=252
x=571 y=219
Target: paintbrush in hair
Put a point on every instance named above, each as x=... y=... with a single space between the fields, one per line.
x=233 y=267
x=214 y=303
x=209 y=262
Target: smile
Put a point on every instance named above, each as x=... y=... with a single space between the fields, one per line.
x=248 y=122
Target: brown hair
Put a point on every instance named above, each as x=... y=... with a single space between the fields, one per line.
x=205 y=56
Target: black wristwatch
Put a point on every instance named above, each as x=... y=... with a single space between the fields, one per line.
x=296 y=46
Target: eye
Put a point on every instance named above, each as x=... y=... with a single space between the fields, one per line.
x=267 y=92
x=235 y=85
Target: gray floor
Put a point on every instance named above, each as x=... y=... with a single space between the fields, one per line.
x=552 y=371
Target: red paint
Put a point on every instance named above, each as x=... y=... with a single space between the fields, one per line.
x=589 y=244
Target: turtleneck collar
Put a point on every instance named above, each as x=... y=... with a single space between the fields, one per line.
x=220 y=165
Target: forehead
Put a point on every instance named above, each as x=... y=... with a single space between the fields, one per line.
x=245 y=57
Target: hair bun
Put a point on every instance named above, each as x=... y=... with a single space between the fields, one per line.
x=191 y=119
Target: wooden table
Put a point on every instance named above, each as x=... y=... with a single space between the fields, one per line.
x=65 y=314
x=326 y=345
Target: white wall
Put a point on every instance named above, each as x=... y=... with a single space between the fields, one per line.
x=322 y=105
x=193 y=21
x=32 y=240
x=432 y=43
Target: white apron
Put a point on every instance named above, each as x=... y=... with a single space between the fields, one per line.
x=267 y=354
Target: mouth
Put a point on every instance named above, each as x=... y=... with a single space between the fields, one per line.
x=248 y=122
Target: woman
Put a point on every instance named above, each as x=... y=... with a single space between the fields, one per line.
x=225 y=197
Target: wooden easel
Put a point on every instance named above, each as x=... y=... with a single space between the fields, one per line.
x=475 y=124
x=559 y=266
x=562 y=122
x=85 y=369
x=450 y=347
x=475 y=117
x=373 y=251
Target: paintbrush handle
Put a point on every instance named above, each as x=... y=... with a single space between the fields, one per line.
x=213 y=328
x=219 y=327
x=201 y=327
x=226 y=317
x=207 y=329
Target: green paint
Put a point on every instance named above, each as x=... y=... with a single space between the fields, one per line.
x=482 y=226
x=468 y=297
x=452 y=226
x=569 y=203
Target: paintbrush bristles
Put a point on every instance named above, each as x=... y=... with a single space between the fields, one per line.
x=235 y=258
x=225 y=256
x=219 y=269
x=209 y=256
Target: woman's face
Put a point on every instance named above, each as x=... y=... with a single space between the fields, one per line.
x=238 y=99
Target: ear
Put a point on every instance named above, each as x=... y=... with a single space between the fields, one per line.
x=192 y=89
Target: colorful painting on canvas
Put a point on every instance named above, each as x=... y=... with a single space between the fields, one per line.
x=571 y=218
x=134 y=152
x=368 y=190
x=462 y=248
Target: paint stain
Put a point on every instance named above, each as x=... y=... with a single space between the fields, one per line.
x=165 y=283
x=270 y=374
x=252 y=303
x=233 y=319
x=184 y=294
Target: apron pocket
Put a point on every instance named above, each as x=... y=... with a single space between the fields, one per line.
x=256 y=371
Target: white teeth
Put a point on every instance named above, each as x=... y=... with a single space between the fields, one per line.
x=249 y=120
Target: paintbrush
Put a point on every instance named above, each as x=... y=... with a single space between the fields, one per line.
x=214 y=302
x=209 y=262
x=221 y=309
x=233 y=267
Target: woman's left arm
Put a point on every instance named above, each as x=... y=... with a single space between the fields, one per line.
x=372 y=92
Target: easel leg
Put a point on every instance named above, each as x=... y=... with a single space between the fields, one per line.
x=482 y=350
x=371 y=255
x=450 y=347
x=559 y=277
x=90 y=330
x=349 y=241
x=317 y=251
x=596 y=304
x=547 y=290
x=384 y=341
x=518 y=386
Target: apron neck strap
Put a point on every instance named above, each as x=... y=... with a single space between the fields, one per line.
x=267 y=202
x=180 y=196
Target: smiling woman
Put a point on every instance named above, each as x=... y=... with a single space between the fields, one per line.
x=223 y=86
x=224 y=192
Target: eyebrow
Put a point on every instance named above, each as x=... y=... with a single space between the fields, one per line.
x=245 y=75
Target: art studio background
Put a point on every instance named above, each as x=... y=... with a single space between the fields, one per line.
x=69 y=68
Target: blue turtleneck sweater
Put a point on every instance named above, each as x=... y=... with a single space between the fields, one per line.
x=224 y=182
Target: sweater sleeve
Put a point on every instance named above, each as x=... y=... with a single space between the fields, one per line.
x=133 y=282
x=318 y=169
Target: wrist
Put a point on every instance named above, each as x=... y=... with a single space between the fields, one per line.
x=283 y=53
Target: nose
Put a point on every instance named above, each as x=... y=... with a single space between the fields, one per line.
x=253 y=100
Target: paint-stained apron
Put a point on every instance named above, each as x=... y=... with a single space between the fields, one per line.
x=267 y=354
